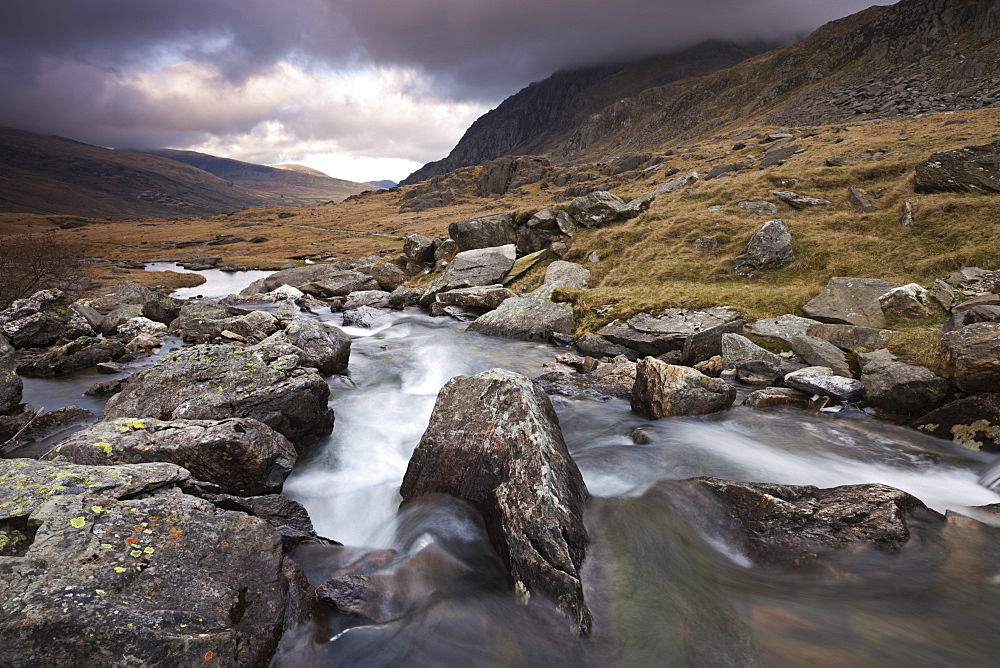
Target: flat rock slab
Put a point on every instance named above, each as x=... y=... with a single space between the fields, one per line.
x=781 y=329
x=656 y=335
x=850 y=301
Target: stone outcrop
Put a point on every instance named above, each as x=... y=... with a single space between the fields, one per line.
x=973 y=169
x=899 y=388
x=521 y=478
x=42 y=319
x=664 y=390
x=850 y=301
x=769 y=248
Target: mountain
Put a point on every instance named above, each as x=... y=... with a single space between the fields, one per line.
x=290 y=185
x=301 y=168
x=913 y=57
x=532 y=119
x=42 y=174
x=384 y=184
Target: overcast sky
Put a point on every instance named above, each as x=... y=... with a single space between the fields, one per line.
x=362 y=89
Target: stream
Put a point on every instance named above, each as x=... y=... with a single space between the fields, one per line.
x=664 y=587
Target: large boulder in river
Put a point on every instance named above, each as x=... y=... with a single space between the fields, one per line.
x=83 y=353
x=215 y=382
x=970 y=357
x=242 y=456
x=973 y=169
x=319 y=280
x=42 y=319
x=496 y=229
x=972 y=421
x=205 y=320
x=664 y=390
x=162 y=580
x=770 y=247
x=520 y=476
x=850 y=301
x=484 y=266
x=322 y=346
x=899 y=388
x=656 y=335
x=530 y=317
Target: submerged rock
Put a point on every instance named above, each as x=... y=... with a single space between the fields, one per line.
x=664 y=390
x=494 y=440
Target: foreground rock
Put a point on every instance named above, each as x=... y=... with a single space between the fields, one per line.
x=770 y=247
x=664 y=390
x=850 y=301
x=656 y=335
x=970 y=357
x=899 y=388
x=168 y=579
x=530 y=317
x=973 y=169
x=213 y=382
x=973 y=422
x=521 y=478
x=242 y=456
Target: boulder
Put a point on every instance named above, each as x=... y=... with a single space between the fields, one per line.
x=770 y=247
x=850 y=301
x=707 y=343
x=596 y=380
x=972 y=421
x=110 y=323
x=530 y=317
x=656 y=335
x=485 y=266
x=569 y=274
x=402 y=297
x=14 y=421
x=972 y=315
x=240 y=455
x=773 y=397
x=821 y=380
x=319 y=345
x=899 y=388
x=133 y=327
x=780 y=330
x=365 y=317
x=852 y=337
x=388 y=275
x=153 y=305
x=373 y=298
x=759 y=208
x=596 y=346
x=497 y=229
x=319 y=280
x=683 y=181
x=970 y=357
x=521 y=478
x=907 y=302
x=973 y=169
x=164 y=580
x=525 y=264
x=204 y=320
x=83 y=353
x=600 y=208
x=664 y=390
x=419 y=248
x=753 y=364
x=215 y=382
x=42 y=319
x=484 y=297
x=819 y=352
x=797 y=201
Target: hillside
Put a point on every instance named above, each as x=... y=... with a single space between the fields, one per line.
x=40 y=174
x=292 y=184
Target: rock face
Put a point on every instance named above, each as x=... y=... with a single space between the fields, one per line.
x=850 y=301
x=212 y=382
x=973 y=169
x=42 y=319
x=497 y=229
x=656 y=335
x=242 y=456
x=163 y=580
x=520 y=476
x=970 y=357
x=769 y=248
x=530 y=317
x=664 y=390
x=973 y=422
x=83 y=353
x=899 y=388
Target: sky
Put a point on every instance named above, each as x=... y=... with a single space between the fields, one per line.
x=360 y=89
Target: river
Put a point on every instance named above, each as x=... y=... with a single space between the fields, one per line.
x=664 y=586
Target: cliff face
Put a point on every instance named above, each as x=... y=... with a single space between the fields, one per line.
x=534 y=118
x=916 y=56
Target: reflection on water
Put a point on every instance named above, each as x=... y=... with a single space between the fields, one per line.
x=218 y=283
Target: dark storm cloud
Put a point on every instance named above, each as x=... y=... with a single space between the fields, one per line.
x=63 y=62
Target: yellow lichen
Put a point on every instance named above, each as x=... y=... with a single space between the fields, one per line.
x=77 y=522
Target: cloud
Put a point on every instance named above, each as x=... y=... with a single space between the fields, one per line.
x=374 y=78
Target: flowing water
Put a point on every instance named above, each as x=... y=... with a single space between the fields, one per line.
x=663 y=578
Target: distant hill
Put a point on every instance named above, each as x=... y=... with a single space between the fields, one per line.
x=384 y=184
x=42 y=174
x=290 y=184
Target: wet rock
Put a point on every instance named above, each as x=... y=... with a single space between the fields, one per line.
x=795 y=525
x=486 y=297
x=970 y=357
x=439 y=310
x=907 y=302
x=42 y=319
x=664 y=390
x=402 y=297
x=530 y=317
x=973 y=169
x=43 y=429
x=973 y=422
x=819 y=352
x=820 y=380
x=11 y=388
x=485 y=266
x=486 y=232
x=899 y=388
x=241 y=455
x=83 y=353
x=215 y=382
x=319 y=345
x=850 y=301
x=521 y=478
x=569 y=274
x=203 y=321
x=389 y=276
x=780 y=330
x=773 y=397
x=797 y=201
x=769 y=248
x=373 y=298
x=287 y=517
x=656 y=335
x=319 y=280
x=759 y=208
x=599 y=209
x=14 y=421
x=365 y=317
x=247 y=592
x=419 y=248
x=852 y=337
x=707 y=343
